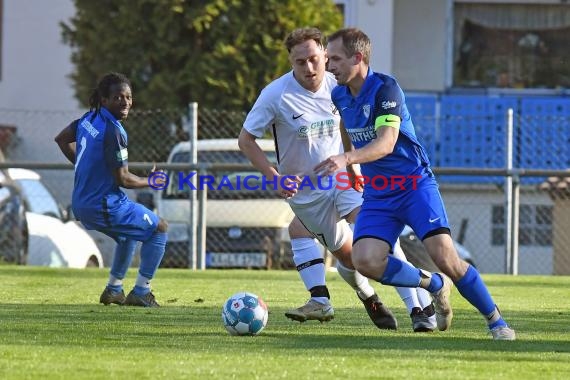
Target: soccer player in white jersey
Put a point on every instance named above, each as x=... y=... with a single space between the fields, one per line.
x=305 y=125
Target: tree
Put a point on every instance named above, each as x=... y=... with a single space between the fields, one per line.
x=219 y=53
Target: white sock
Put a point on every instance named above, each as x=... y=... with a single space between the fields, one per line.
x=424 y=297
x=142 y=281
x=308 y=259
x=114 y=281
x=357 y=281
x=408 y=295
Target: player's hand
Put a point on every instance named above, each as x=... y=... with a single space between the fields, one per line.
x=355 y=177
x=159 y=177
x=288 y=186
x=331 y=165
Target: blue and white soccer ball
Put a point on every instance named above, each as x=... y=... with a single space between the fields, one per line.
x=244 y=314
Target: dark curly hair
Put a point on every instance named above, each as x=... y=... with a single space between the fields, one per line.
x=104 y=88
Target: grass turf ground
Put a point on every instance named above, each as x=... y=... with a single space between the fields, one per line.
x=51 y=327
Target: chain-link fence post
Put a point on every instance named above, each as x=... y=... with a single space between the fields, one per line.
x=512 y=187
x=193 y=160
x=201 y=226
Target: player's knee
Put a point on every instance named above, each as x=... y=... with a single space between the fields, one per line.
x=369 y=254
x=344 y=255
x=162 y=225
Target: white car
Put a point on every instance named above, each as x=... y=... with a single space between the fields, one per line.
x=53 y=240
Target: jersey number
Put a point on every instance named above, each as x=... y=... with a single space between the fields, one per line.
x=82 y=145
x=148 y=219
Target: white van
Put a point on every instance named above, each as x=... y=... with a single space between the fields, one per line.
x=245 y=228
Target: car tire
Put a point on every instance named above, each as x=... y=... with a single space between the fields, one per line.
x=92 y=262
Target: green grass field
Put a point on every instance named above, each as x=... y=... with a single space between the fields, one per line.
x=52 y=327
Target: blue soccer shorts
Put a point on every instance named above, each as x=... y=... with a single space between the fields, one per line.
x=127 y=219
x=421 y=208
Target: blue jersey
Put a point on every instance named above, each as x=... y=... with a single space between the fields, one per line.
x=381 y=95
x=101 y=147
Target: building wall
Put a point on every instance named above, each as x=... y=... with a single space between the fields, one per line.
x=420 y=44
x=35 y=62
x=35 y=69
x=562 y=226
x=375 y=18
x=476 y=206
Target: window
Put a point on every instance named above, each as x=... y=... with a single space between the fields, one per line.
x=535 y=225
x=511 y=45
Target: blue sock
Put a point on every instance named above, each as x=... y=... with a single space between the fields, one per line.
x=152 y=251
x=115 y=288
x=124 y=253
x=400 y=273
x=474 y=290
x=436 y=283
x=140 y=291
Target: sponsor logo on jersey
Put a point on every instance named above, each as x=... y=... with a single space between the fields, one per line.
x=318 y=129
x=89 y=128
x=387 y=104
x=362 y=134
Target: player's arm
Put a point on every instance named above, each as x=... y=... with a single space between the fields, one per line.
x=285 y=188
x=253 y=152
x=384 y=143
x=381 y=146
x=124 y=178
x=66 y=141
x=354 y=169
x=117 y=158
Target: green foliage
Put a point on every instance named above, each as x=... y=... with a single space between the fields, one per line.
x=219 y=53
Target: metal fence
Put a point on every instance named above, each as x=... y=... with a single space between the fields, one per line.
x=469 y=151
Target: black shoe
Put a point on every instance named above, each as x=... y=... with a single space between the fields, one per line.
x=145 y=301
x=429 y=310
x=380 y=314
x=420 y=321
x=110 y=296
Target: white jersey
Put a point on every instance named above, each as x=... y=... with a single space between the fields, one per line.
x=305 y=126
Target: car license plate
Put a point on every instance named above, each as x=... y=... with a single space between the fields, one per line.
x=245 y=259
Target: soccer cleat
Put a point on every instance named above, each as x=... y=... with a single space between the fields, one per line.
x=109 y=296
x=503 y=333
x=380 y=314
x=420 y=321
x=145 y=301
x=442 y=305
x=312 y=310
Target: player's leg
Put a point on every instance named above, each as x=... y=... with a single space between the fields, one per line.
x=417 y=300
x=469 y=283
x=434 y=231
x=347 y=203
x=377 y=230
x=135 y=222
x=308 y=258
x=152 y=251
x=124 y=252
x=380 y=315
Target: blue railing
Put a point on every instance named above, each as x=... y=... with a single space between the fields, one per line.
x=471 y=131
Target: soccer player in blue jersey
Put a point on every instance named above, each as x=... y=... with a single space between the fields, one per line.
x=400 y=187
x=97 y=145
